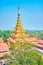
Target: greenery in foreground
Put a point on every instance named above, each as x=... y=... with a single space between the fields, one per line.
x=23 y=54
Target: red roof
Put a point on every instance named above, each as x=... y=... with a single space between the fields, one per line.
x=40 y=41
x=3 y=48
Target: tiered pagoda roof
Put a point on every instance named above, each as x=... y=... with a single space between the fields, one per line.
x=19 y=34
x=19 y=31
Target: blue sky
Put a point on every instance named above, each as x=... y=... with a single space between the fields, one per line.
x=31 y=13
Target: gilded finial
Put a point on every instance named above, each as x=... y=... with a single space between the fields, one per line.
x=18 y=7
x=18 y=11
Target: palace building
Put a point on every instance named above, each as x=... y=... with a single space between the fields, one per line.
x=19 y=34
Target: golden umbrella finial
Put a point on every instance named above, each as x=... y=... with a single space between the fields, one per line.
x=18 y=11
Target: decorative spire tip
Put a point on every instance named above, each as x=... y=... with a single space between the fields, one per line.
x=18 y=11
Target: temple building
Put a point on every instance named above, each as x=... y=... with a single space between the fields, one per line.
x=19 y=35
x=19 y=31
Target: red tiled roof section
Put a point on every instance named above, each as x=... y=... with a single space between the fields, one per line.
x=3 y=48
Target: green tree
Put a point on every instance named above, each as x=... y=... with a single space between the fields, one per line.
x=23 y=55
x=40 y=35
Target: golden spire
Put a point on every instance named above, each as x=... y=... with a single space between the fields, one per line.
x=19 y=28
x=19 y=31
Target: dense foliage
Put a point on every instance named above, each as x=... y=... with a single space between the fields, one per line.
x=23 y=54
x=5 y=34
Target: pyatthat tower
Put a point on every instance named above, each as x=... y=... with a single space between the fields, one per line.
x=19 y=31
x=19 y=35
